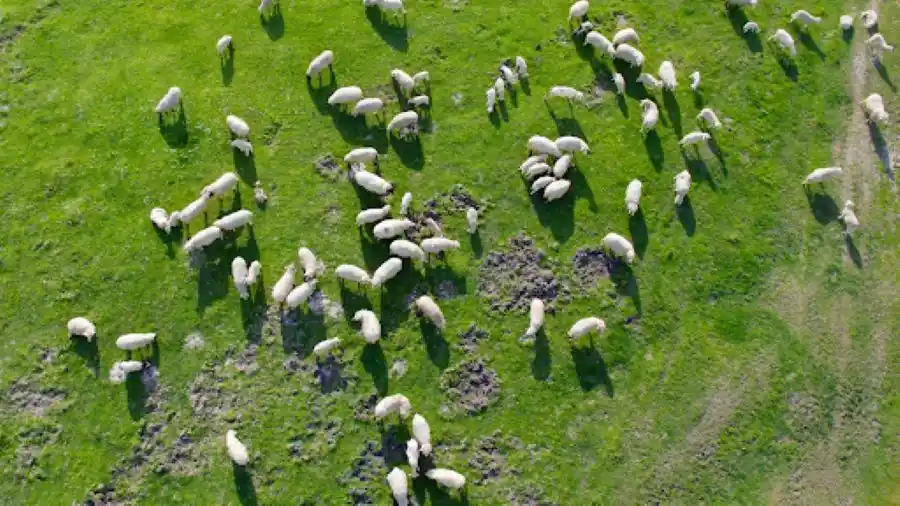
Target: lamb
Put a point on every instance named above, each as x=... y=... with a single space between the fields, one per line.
x=566 y=92
x=236 y=449
x=562 y=165
x=308 y=262
x=873 y=105
x=194 y=209
x=160 y=219
x=785 y=40
x=500 y=89
x=597 y=40
x=537 y=170
x=695 y=80
x=387 y=271
x=254 y=272
x=130 y=342
x=259 y=195
x=649 y=81
x=243 y=146
x=319 y=63
x=869 y=19
x=372 y=183
x=531 y=160
x=633 y=196
x=435 y=245
x=346 y=95
x=535 y=318
x=490 y=99
x=619 y=81
x=170 y=101
x=372 y=215
x=846 y=22
x=630 y=55
x=824 y=174
x=419 y=101
x=427 y=307
x=219 y=187
x=224 y=44
x=542 y=145
x=578 y=10
x=203 y=238
x=412 y=456
x=472 y=219
x=120 y=370
x=851 y=222
x=667 y=74
x=234 y=220
x=741 y=3
x=620 y=246
x=370 y=328
x=804 y=18
x=405 y=119
x=709 y=118
x=682 y=185
x=300 y=294
x=570 y=144
x=82 y=327
x=239 y=275
x=751 y=27
x=397 y=403
x=352 y=273
x=877 y=44
x=649 y=115
x=694 y=138
x=422 y=433
x=585 y=326
x=238 y=127
x=556 y=189
x=399 y=487
x=625 y=35
x=404 y=81
x=521 y=67
x=284 y=285
x=407 y=249
x=367 y=106
x=389 y=229
x=447 y=477
x=540 y=183
x=325 y=347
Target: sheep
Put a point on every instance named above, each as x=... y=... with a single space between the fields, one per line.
x=388 y=229
x=389 y=5
x=556 y=189
x=682 y=185
x=120 y=370
x=709 y=118
x=869 y=19
x=540 y=183
x=751 y=27
x=219 y=187
x=824 y=174
x=367 y=106
x=570 y=144
x=521 y=67
x=308 y=262
x=695 y=80
x=404 y=81
x=370 y=328
x=694 y=138
x=851 y=222
x=620 y=246
x=741 y=3
x=649 y=115
x=539 y=144
x=82 y=327
x=649 y=81
x=535 y=318
x=419 y=101
x=619 y=81
x=345 y=95
x=422 y=433
x=537 y=170
x=203 y=238
x=318 y=64
x=194 y=209
x=500 y=89
x=562 y=165
x=160 y=219
x=877 y=44
x=597 y=40
x=412 y=456
x=284 y=285
x=585 y=326
x=427 y=307
x=625 y=35
x=372 y=183
x=243 y=146
x=223 y=44
x=399 y=487
x=397 y=403
x=405 y=119
x=531 y=160
x=238 y=127
x=253 y=272
x=435 y=245
x=236 y=449
x=472 y=220
x=578 y=10
x=170 y=101
x=633 y=196
x=873 y=105
x=785 y=40
x=234 y=220
x=239 y=274
x=846 y=22
x=264 y=5
x=630 y=55
x=300 y=294
x=804 y=18
x=422 y=77
x=433 y=226
x=490 y=99
x=387 y=271
x=352 y=273
x=566 y=92
x=372 y=215
x=447 y=477
x=667 y=74
x=325 y=347
x=407 y=249
x=174 y=220
x=134 y=341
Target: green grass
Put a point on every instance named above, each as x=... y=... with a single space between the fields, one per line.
x=697 y=408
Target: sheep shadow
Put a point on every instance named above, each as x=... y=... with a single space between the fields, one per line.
x=243 y=485
x=699 y=101
x=356 y=131
x=329 y=375
x=411 y=153
x=502 y=111
x=226 y=66
x=435 y=345
x=626 y=284
x=476 y=244
x=882 y=150
x=214 y=274
x=716 y=150
x=558 y=216
x=637 y=227
x=494 y=117
x=824 y=209
x=633 y=88
x=88 y=351
x=427 y=491
x=253 y=313
x=847 y=35
x=374 y=252
x=393 y=443
x=883 y=72
x=375 y=363
x=274 y=25
x=591 y=369
x=396 y=36
x=445 y=282
x=396 y=299
x=788 y=66
x=808 y=42
x=698 y=169
x=352 y=302
x=673 y=110
x=542 y=362
x=137 y=396
x=300 y=331
x=170 y=239
x=685 y=213
x=853 y=252
x=245 y=166
x=175 y=133
x=566 y=125
x=320 y=94
x=738 y=19
x=653 y=145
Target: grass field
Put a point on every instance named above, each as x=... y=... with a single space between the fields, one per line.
x=750 y=355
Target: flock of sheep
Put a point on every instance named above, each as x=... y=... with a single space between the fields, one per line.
x=547 y=166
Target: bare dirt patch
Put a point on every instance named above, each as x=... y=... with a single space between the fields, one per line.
x=470 y=338
x=489 y=460
x=366 y=472
x=31 y=444
x=528 y=496
x=591 y=265
x=320 y=438
x=512 y=279
x=328 y=167
x=457 y=200
x=471 y=386
x=26 y=395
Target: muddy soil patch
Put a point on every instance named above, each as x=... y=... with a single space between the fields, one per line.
x=318 y=440
x=366 y=472
x=31 y=444
x=469 y=338
x=511 y=279
x=590 y=266
x=328 y=167
x=26 y=395
x=488 y=461
x=457 y=200
x=471 y=386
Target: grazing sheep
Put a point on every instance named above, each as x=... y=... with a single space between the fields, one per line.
x=372 y=215
x=367 y=106
x=436 y=230
x=404 y=81
x=556 y=189
x=851 y=222
x=419 y=101
x=174 y=220
x=438 y=244
x=630 y=55
x=370 y=328
x=585 y=326
x=236 y=449
x=223 y=44
x=253 y=272
x=578 y=10
x=325 y=347
x=239 y=274
x=170 y=101
x=399 y=487
x=412 y=455
x=422 y=77
x=388 y=5
x=447 y=477
x=741 y=3
x=597 y=40
x=695 y=80
x=234 y=220
x=130 y=342
x=709 y=117
x=649 y=81
x=507 y=76
x=81 y=326
x=346 y=95
x=540 y=183
x=626 y=35
x=649 y=115
x=119 y=371
x=562 y=165
x=500 y=89
x=619 y=81
x=386 y=271
x=824 y=174
x=804 y=18
x=633 y=196
x=751 y=27
x=407 y=249
x=531 y=160
x=264 y=5
x=372 y=183
x=566 y=92
x=539 y=144
x=427 y=307
x=846 y=22
x=219 y=187
x=785 y=40
x=570 y=144
x=694 y=138
x=160 y=219
x=352 y=273
x=319 y=63
x=535 y=318
x=308 y=262
x=300 y=294
x=877 y=44
x=490 y=99
x=873 y=105
x=284 y=285
x=682 y=185
x=397 y=403
x=243 y=146
x=238 y=127
x=620 y=246
x=667 y=74
x=389 y=229
x=422 y=433
x=869 y=18
x=203 y=238
x=521 y=67
x=194 y=209
x=404 y=119
x=537 y=170
x=472 y=219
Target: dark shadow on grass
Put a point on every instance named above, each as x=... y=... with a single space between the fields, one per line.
x=881 y=149
x=300 y=331
x=697 y=167
x=438 y=276
x=806 y=39
x=847 y=35
x=558 y=216
x=653 y=145
x=356 y=131
x=476 y=244
x=410 y=153
x=591 y=369
x=171 y=239
x=226 y=65
x=375 y=364
x=245 y=166
x=394 y=35
x=883 y=72
x=374 y=252
x=214 y=274
x=319 y=94
x=274 y=24
x=699 y=101
x=502 y=111
x=396 y=297
x=494 y=118
x=824 y=208
x=329 y=374
x=435 y=344
x=541 y=364
x=393 y=443
x=428 y=492
x=626 y=283
x=637 y=227
x=352 y=301
x=853 y=252
x=716 y=150
x=738 y=19
x=566 y=125
x=685 y=213
x=673 y=110
x=243 y=485
x=174 y=130
x=137 y=396
x=788 y=66
x=88 y=351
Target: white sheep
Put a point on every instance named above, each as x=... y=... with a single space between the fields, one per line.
x=404 y=81
x=81 y=326
x=239 y=274
x=877 y=44
x=422 y=433
x=633 y=196
x=407 y=249
x=535 y=317
x=751 y=27
x=447 y=477
x=556 y=189
x=566 y=92
x=422 y=77
x=372 y=215
x=119 y=371
x=174 y=220
x=620 y=246
x=405 y=119
x=851 y=222
x=500 y=89
x=203 y=238
x=585 y=326
x=284 y=285
x=134 y=341
x=804 y=18
x=695 y=80
x=846 y=22
x=412 y=456
x=325 y=347
x=399 y=487
x=397 y=403
x=506 y=76
x=194 y=209
x=435 y=245
x=349 y=272
x=531 y=160
x=694 y=138
x=869 y=18
x=234 y=220
x=824 y=174
x=629 y=54
x=386 y=271
x=873 y=105
x=238 y=127
x=243 y=146
x=649 y=81
x=345 y=95
x=308 y=262
x=419 y=101
x=219 y=187
x=571 y=144
x=254 y=272
x=541 y=145
x=264 y=5
x=597 y=40
x=236 y=449
x=649 y=115
x=682 y=186
x=388 y=229
x=160 y=219
x=300 y=294
x=368 y=106
x=319 y=63
x=578 y=10
x=472 y=220
x=709 y=118
x=370 y=327
x=562 y=165
x=536 y=170
x=626 y=35
x=170 y=101
x=619 y=81
x=785 y=40
x=372 y=182
x=436 y=230
x=667 y=74
x=490 y=99
x=521 y=67
x=396 y=6
x=741 y=3
x=427 y=307
x=540 y=183
x=223 y=44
